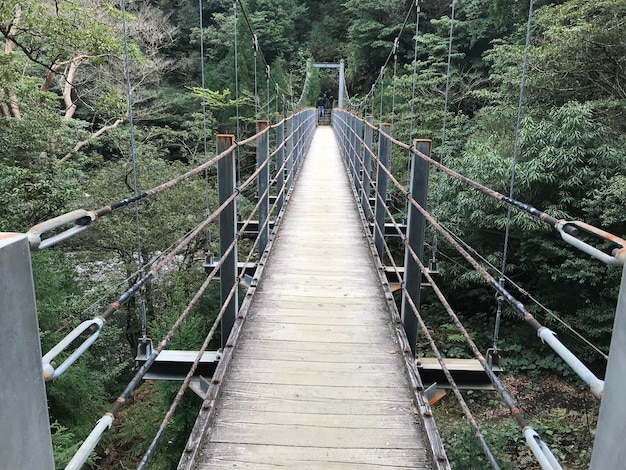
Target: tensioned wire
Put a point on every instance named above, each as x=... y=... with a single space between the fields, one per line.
x=496 y=330
x=363 y=103
x=237 y=91
x=395 y=69
x=443 y=127
x=131 y=130
x=417 y=29
x=204 y=123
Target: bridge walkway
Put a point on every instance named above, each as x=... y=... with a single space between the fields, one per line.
x=317 y=378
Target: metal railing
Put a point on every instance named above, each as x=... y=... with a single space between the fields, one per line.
x=370 y=174
x=275 y=175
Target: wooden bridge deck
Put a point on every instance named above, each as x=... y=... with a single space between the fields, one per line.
x=317 y=378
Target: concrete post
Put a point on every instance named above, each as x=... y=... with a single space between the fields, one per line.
x=226 y=181
x=416 y=226
x=24 y=422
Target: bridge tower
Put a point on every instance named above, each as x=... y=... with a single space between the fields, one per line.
x=342 y=77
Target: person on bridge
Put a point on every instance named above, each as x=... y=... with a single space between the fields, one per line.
x=321 y=101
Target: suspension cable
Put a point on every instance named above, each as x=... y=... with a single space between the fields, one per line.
x=395 y=69
x=255 y=45
x=443 y=127
x=204 y=114
x=131 y=130
x=417 y=30
x=496 y=330
x=238 y=124
x=382 y=93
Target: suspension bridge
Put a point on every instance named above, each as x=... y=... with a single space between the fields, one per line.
x=317 y=367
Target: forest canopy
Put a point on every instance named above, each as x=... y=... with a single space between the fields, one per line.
x=65 y=144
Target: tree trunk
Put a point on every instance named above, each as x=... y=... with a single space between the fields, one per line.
x=70 y=106
x=13 y=108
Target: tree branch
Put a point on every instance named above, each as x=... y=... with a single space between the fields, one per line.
x=90 y=139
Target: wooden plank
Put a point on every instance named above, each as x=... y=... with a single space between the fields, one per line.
x=329 y=437
x=249 y=456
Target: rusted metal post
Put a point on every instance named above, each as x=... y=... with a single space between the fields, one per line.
x=416 y=227
x=24 y=422
x=384 y=151
x=226 y=181
x=280 y=159
x=608 y=448
x=263 y=182
x=367 y=166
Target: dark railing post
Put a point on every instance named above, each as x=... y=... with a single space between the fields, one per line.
x=298 y=140
x=226 y=181
x=24 y=421
x=416 y=226
x=384 y=151
x=263 y=182
x=358 y=129
x=352 y=141
x=367 y=166
x=289 y=152
x=280 y=160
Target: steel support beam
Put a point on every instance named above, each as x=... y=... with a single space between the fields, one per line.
x=263 y=182
x=384 y=152
x=280 y=159
x=289 y=151
x=24 y=422
x=226 y=182
x=342 y=83
x=416 y=227
x=342 y=77
x=367 y=166
x=608 y=448
x=358 y=129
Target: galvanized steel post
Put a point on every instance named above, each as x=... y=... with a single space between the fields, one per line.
x=263 y=182
x=342 y=83
x=367 y=166
x=358 y=129
x=416 y=226
x=226 y=182
x=384 y=151
x=609 y=450
x=280 y=160
x=350 y=143
x=289 y=152
x=298 y=140
x=24 y=421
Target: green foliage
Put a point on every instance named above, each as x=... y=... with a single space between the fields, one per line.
x=64 y=444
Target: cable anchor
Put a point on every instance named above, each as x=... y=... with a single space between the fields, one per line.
x=81 y=219
x=617 y=256
x=51 y=372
